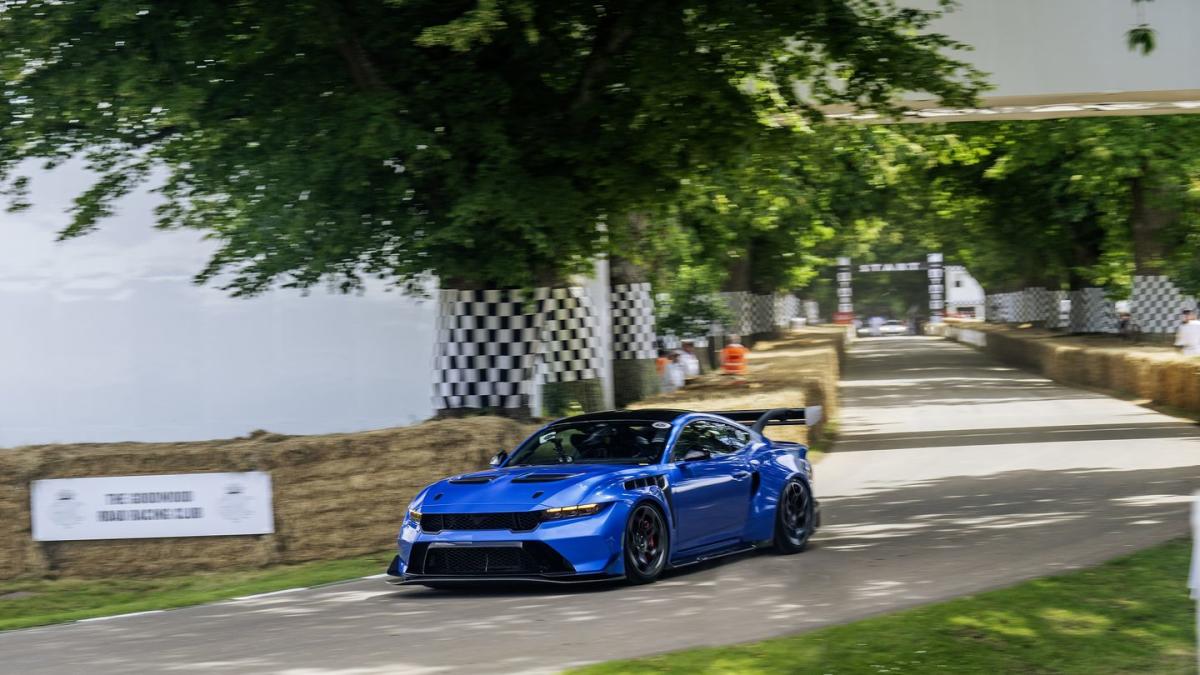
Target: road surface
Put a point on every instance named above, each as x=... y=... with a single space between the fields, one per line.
x=955 y=474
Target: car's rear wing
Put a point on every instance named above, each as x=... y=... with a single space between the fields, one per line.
x=774 y=417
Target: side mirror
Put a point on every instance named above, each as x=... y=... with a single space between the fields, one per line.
x=498 y=458
x=696 y=454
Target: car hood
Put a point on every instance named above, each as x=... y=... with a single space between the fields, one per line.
x=520 y=488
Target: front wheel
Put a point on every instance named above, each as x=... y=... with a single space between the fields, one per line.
x=795 y=517
x=646 y=542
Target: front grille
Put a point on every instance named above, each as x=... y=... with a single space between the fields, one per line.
x=531 y=557
x=477 y=560
x=517 y=522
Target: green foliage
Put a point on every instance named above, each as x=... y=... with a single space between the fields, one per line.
x=1052 y=203
x=1140 y=38
x=482 y=141
x=690 y=306
x=1128 y=616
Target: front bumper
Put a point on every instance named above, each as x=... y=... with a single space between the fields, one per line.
x=567 y=551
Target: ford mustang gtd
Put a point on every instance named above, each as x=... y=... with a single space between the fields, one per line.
x=615 y=495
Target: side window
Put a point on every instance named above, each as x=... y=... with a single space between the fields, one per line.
x=733 y=438
x=696 y=436
x=714 y=437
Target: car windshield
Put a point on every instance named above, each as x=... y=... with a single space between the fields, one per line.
x=595 y=442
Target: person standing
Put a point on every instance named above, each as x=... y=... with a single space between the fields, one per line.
x=733 y=356
x=673 y=378
x=1187 y=336
x=687 y=359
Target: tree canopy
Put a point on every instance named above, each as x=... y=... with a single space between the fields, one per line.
x=491 y=142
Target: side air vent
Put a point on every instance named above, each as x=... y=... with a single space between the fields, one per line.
x=543 y=477
x=646 y=481
x=485 y=478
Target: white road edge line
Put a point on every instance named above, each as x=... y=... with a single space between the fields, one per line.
x=376 y=576
x=119 y=616
x=267 y=595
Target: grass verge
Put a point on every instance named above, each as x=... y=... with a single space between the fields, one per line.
x=1131 y=615
x=37 y=602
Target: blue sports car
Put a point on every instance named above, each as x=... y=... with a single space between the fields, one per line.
x=615 y=495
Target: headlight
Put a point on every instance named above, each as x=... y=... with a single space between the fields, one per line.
x=414 y=516
x=561 y=512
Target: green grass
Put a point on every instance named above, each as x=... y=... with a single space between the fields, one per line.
x=43 y=601
x=1131 y=615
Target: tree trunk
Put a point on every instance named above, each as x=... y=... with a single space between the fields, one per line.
x=634 y=350
x=1146 y=225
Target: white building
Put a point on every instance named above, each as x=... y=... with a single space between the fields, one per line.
x=964 y=296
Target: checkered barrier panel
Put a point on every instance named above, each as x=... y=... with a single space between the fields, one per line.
x=762 y=313
x=1060 y=312
x=1092 y=312
x=1002 y=307
x=485 y=351
x=741 y=310
x=1027 y=305
x=632 y=321
x=1040 y=303
x=489 y=343
x=569 y=335
x=1157 y=304
x=787 y=307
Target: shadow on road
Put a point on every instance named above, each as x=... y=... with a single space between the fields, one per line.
x=1030 y=435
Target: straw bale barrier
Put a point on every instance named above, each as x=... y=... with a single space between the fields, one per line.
x=1156 y=374
x=335 y=495
x=340 y=495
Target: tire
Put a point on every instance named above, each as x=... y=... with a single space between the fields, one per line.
x=646 y=544
x=795 y=517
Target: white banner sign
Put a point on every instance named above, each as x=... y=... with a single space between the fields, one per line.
x=143 y=507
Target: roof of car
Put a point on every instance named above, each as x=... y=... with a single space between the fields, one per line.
x=646 y=415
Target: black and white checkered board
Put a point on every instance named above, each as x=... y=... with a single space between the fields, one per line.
x=753 y=314
x=741 y=320
x=489 y=343
x=1002 y=307
x=1092 y=312
x=632 y=321
x=1157 y=304
x=569 y=335
x=787 y=307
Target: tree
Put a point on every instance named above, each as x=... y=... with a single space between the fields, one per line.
x=483 y=142
x=478 y=141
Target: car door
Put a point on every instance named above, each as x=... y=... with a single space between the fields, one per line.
x=711 y=485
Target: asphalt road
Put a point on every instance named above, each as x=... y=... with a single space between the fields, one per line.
x=955 y=474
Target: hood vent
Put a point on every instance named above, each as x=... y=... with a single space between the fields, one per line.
x=647 y=481
x=484 y=478
x=543 y=477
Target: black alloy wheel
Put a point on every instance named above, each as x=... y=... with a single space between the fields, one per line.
x=645 y=545
x=795 y=519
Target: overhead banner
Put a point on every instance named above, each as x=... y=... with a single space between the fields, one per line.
x=146 y=507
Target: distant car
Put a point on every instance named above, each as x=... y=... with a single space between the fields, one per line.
x=615 y=495
x=893 y=327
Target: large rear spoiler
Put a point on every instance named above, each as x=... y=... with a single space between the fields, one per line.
x=774 y=417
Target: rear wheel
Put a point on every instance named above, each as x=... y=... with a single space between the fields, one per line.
x=795 y=518
x=646 y=541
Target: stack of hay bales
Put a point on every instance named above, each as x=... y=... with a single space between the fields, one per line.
x=1152 y=373
x=335 y=496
